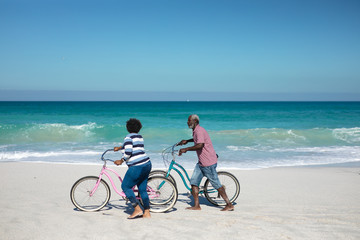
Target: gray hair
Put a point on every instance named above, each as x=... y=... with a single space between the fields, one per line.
x=195 y=117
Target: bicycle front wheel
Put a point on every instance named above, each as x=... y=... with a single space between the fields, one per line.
x=162 y=194
x=230 y=184
x=87 y=197
x=163 y=174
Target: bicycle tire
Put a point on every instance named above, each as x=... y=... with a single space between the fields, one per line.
x=231 y=185
x=163 y=194
x=163 y=174
x=80 y=194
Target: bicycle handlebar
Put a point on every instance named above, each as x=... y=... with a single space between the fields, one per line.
x=102 y=156
x=173 y=151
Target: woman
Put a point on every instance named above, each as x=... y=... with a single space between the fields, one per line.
x=139 y=168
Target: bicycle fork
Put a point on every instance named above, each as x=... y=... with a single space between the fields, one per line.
x=92 y=192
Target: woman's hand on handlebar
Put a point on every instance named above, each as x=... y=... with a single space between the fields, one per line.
x=118 y=162
x=117 y=149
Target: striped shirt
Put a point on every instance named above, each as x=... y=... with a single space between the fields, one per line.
x=133 y=150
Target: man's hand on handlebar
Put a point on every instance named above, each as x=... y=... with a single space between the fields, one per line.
x=181 y=151
x=182 y=142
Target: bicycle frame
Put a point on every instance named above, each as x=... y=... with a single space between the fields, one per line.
x=104 y=171
x=180 y=170
x=174 y=166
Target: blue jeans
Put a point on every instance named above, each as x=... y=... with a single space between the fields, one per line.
x=137 y=175
x=209 y=172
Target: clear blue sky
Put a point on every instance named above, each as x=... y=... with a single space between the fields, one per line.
x=279 y=46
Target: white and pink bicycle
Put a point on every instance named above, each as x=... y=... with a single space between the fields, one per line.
x=92 y=193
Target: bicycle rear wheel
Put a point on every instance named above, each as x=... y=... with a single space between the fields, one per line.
x=83 y=197
x=231 y=185
x=162 y=194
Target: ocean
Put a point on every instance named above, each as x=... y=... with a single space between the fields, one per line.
x=246 y=135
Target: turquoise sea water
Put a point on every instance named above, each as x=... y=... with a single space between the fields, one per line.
x=246 y=135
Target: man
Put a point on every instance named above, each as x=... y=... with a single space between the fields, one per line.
x=206 y=165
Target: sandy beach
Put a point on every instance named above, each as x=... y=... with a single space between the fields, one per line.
x=275 y=203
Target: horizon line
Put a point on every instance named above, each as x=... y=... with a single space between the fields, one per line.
x=161 y=96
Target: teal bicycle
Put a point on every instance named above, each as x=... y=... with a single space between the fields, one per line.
x=228 y=180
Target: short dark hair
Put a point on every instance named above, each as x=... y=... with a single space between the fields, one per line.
x=133 y=125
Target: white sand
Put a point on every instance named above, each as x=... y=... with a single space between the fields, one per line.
x=277 y=203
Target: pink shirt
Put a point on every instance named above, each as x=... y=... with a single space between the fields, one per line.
x=206 y=155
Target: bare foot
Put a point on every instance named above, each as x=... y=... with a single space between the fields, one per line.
x=147 y=214
x=228 y=208
x=137 y=213
x=193 y=208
